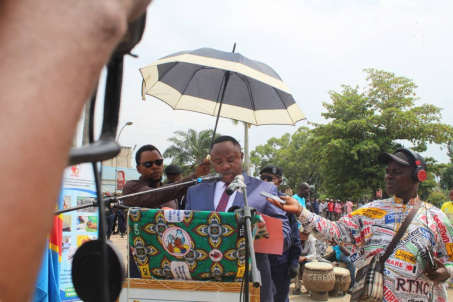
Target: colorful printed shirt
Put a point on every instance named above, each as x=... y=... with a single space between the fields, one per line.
x=447 y=208
x=370 y=229
x=321 y=248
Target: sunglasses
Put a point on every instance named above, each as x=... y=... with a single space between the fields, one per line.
x=268 y=178
x=149 y=164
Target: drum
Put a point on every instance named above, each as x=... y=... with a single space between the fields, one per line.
x=319 y=279
x=342 y=281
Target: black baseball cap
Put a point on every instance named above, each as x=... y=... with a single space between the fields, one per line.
x=173 y=170
x=272 y=169
x=401 y=158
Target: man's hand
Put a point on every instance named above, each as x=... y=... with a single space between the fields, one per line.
x=439 y=275
x=291 y=206
x=203 y=169
x=292 y=272
x=302 y=259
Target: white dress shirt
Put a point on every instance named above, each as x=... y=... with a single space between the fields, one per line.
x=219 y=189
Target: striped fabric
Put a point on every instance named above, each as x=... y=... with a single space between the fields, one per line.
x=193 y=81
x=47 y=286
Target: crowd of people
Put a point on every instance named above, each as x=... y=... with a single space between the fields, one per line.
x=332 y=209
x=355 y=230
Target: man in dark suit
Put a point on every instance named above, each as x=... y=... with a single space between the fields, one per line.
x=227 y=158
x=283 y=267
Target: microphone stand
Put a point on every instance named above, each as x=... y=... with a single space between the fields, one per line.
x=114 y=199
x=94 y=203
x=249 y=249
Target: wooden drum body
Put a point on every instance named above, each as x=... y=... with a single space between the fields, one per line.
x=342 y=280
x=319 y=279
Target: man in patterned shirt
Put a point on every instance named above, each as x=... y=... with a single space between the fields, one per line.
x=370 y=229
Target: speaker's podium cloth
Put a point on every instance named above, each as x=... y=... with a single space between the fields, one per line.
x=189 y=245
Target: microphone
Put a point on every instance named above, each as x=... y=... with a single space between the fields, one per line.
x=210 y=177
x=236 y=184
x=235 y=209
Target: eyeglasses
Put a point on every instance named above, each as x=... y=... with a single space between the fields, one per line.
x=149 y=164
x=268 y=178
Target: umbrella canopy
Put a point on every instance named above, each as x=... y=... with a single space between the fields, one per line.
x=195 y=80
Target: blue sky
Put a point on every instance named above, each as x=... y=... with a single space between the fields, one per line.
x=315 y=46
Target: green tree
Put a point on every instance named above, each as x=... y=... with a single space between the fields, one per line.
x=364 y=123
x=437 y=198
x=446 y=181
x=292 y=154
x=189 y=148
x=450 y=151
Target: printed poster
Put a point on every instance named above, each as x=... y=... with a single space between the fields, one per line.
x=79 y=226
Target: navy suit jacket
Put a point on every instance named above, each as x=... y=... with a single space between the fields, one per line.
x=291 y=255
x=201 y=198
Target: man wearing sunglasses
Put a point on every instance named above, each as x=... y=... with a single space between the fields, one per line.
x=283 y=267
x=150 y=166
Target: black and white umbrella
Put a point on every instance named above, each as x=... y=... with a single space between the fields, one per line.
x=221 y=84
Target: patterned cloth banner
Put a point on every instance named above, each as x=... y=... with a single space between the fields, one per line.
x=189 y=245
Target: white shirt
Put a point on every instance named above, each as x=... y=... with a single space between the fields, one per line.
x=321 y=207
x=219 y=189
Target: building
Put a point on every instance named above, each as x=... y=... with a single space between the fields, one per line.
x=109 y=177
x=125 y=163
x=124 y=159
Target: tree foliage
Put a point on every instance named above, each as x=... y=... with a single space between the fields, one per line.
x=437 y=198
x=364 y=123
x=189 y=148
x=291 y=153
x=446 y=182
x=340 y=157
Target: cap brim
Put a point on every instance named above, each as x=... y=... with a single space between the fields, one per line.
x=384 y=158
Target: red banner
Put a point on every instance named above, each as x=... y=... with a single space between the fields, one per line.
x=120 y=180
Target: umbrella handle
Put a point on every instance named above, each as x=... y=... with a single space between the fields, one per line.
x=227 y=78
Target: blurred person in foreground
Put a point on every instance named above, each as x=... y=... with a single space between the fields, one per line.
x=283 y=267
x=59 y=49
x=371 y=228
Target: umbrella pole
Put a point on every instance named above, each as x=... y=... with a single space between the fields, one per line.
x=227 y=77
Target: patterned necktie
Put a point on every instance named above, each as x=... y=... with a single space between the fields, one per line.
x=223 y=201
